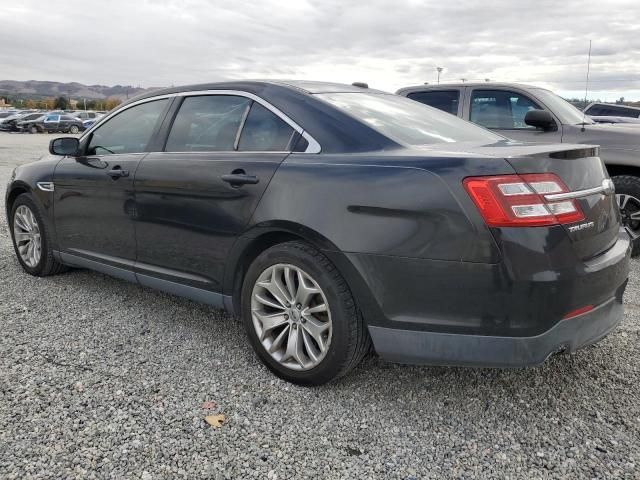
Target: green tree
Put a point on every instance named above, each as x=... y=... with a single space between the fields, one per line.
x=61 y=103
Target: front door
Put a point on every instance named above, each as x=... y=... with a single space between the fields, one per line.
x=194 y=199
x=503 y=111
x=94 y=200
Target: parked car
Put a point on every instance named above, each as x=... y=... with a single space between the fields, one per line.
x=605 y=119
x=533 y=114
x=52 y=124
x=612 y=110
x=86 y=115
x=330 y=217
x=10 y=124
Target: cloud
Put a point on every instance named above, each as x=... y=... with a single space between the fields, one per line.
x=389 y=44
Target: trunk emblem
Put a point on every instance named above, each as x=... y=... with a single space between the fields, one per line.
x=581 y=226
x=608 y=188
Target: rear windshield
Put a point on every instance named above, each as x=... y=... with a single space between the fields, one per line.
x=406 y=121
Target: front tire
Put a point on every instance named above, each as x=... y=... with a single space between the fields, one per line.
x=300 y=315
x=628 y=199
x=33 y=129
x=31 y=238
x=73 y=129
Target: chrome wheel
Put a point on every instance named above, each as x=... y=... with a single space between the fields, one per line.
x=27 y=236
x=630 y=212
x=291 y=316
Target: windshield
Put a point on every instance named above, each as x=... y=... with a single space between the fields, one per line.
x=567 y=113
x=406 y=121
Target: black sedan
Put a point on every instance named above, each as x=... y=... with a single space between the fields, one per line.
x=51 y=123
x=333 y=219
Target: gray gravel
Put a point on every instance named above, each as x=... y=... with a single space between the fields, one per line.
x=100 y=378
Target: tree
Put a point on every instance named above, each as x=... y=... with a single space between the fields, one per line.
x=61 y=103
x=30 y=104
x=112 y=102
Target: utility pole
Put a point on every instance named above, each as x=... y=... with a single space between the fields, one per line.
x=439 y=69
x=463 y=80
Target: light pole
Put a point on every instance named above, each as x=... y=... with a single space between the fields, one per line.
x=463 y=80
x=439 y=69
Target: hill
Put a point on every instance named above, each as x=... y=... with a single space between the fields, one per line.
x=39 y=89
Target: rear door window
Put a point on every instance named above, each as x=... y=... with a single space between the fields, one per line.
x=445 y=100
x=207 y=123
x=263 y=131
x=501 y=109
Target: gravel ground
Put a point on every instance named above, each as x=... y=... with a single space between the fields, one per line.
x=100 y=378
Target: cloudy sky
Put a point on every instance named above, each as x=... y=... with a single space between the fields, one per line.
x=388 y=44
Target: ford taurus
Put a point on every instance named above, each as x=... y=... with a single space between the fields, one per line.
x=335 y=219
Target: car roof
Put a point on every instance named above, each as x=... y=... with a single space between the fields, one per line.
x=255 y=86
x=433 y=86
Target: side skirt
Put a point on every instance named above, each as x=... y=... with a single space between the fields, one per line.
x=214 y=299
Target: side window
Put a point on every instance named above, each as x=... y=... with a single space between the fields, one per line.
x=207 y=123
x=501 y=109
x=129 y=131
x=445 y=100
x=263 y=131
x=51 y=118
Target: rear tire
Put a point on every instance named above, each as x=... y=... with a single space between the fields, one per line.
x=34 y=227
x=628 y=198
x=33 y=129
x=344 y=340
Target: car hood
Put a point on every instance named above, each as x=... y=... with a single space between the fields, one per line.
x=607 y=135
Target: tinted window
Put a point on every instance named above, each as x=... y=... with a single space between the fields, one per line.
x=127 y=132
x=406 y=121
x=445 y=100
x=500 y=109
x=613 y=110
x=65 y=117
x=207 y=123
x=263 y=131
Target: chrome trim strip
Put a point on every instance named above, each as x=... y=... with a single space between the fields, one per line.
x=577 y=194
x=313 y=147
x=46 y=186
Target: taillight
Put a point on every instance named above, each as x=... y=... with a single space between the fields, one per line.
x=518 y=200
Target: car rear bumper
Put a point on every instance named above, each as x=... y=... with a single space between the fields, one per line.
x=435 y=348
x=506 y=314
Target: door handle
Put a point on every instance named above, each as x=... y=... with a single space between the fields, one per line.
x=117 y=172
x=237 y=179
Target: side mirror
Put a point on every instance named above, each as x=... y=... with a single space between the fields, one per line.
x=540 y=119
x=64 y=146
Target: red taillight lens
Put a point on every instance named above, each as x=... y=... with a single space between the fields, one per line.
x=578 y=311
x=518 y=200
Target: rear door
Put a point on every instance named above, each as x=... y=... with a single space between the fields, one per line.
x=503 y=110
x=196 y=196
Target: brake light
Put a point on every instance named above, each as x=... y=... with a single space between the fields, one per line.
x=518 y=200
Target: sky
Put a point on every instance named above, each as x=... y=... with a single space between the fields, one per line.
x=388 y=44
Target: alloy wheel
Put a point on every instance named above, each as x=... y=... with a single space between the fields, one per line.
x=26 y=233
x=630 y=212
x=291 y=316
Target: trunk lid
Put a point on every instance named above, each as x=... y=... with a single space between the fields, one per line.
x=580 y=168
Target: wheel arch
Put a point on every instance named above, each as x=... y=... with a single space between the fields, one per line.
x=17 y=189
x=616 y=170
x=262 y=237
